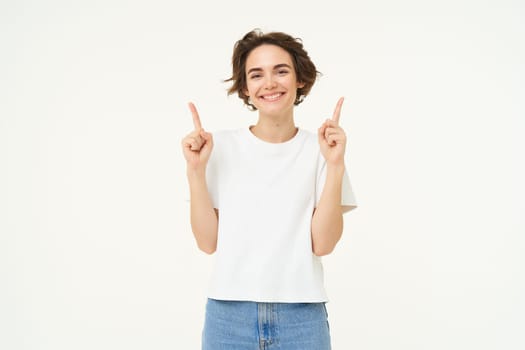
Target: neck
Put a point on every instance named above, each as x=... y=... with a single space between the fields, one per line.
x=275 y=129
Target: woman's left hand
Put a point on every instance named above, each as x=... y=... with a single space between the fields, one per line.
x=332 y=138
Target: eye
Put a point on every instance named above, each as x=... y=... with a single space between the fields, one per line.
x=255 y=76
x=282 y=72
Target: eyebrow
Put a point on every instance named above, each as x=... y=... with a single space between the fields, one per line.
x=277 y=66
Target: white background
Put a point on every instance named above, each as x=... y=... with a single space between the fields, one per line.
x=96 y=250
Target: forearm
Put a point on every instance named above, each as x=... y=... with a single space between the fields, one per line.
x=204 y=220
x=327 y=220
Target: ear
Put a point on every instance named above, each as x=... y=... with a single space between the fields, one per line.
x=300 y=85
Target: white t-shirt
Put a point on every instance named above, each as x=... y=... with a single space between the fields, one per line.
x=266 y=194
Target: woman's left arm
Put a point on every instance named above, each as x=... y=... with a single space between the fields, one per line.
x=327 y=219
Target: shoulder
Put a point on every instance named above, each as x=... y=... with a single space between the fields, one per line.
x=309 y=135
x=226 y=142
x=310 y=140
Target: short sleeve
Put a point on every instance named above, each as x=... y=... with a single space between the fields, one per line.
x=213 y=175
x=348 y=200
x=212 y=180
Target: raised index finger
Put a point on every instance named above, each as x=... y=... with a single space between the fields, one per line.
x=195 y=115
x=337 y=112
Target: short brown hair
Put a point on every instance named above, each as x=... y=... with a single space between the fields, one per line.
x=305 y=70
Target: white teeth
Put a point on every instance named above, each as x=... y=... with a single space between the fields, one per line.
x=272 y=97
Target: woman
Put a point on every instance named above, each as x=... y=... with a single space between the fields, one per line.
x=268 y=199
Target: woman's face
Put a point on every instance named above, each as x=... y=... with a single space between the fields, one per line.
x=271 y=82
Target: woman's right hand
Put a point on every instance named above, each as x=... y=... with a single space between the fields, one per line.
x=197 y=145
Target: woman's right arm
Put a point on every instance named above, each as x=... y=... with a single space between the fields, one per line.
x=197 y=147
x=204 y=218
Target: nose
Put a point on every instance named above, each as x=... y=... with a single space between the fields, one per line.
x=269 y=82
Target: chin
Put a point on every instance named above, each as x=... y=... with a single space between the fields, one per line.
x=277 y=108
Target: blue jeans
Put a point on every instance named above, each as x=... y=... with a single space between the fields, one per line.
x=247 y=325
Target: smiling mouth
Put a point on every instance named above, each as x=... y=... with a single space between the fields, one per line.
x=272 y=97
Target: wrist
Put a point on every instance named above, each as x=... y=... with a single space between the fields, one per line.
x=196 y=173
x=335 y=169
